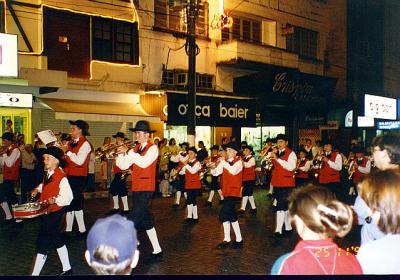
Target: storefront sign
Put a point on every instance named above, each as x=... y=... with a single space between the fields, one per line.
x=8 y=55
x=15 y=100
x=388 y=125
x=213 y=111
x=365 y=121
x=332 y=125
x=380 y=107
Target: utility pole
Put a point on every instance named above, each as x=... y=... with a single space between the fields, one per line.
x=191 y=97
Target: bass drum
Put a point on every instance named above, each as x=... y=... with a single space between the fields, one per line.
x=29 y=210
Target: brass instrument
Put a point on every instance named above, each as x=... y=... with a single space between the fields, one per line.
x=297 y=170
x=347 y=162
x=111 y=151
x=352 y=170
x=266 y=161
x=317 y=164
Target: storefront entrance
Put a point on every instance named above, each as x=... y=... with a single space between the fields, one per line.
x=21 y=119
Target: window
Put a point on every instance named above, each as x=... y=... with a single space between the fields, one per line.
x=168 y=77
x=243 y=30
x=175 y=18
x=179 y=77
x=303 y=42
x=2 y=18
x=204 y=81
x=115 y=41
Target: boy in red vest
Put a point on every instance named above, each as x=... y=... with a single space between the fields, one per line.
x=360 y=166
x=302 y=168
x=249 y=179
x=56 y=191
x=179 y=173
x=215 y=185
x=118 y=184
x=329 y=175
x=10 y=161
x=192 y=185
x=231 y=183
x=143 y=162
x=77 y=168
x=284 y=162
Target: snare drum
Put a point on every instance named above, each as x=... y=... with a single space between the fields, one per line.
x=29 y=210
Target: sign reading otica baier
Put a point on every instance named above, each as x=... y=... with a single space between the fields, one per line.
x=8 y=55
x=212 y=110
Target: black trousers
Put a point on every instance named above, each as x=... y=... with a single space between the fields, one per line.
x=118 y=185
x=7 y=192
x=140 y=213
x=281 y=195
x=27 y=183
x=214 y=186
x=180 y=186
x=228 y=211
x=248 y=188
x=50 y=236
x=77 y=184
x=191 y=196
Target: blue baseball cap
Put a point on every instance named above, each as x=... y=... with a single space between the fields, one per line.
x=116 y=232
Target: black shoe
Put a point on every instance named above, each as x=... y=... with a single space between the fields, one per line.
x=125 y=213
x=154 y=258
x=223 y=245
x=112 y=212
x=175 y=206
x=237 y=245
x=241 y=212
x=82 y=235
x=66 y=273
x=209 y=204
x=221 y=201
x=253 y=211
x=277 y=234
x=187 y=221
x=288 y=232
x=194 y=221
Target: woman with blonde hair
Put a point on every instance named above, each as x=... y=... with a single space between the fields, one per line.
x=381 y=192
x=318 y=217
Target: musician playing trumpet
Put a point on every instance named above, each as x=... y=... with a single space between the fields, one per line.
x=55 y=191
x=302 y=169
x=359 y=167
x=215 y=185
x=178 y=173
x=329 y=175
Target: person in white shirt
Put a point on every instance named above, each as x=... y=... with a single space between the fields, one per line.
x=56 y=192
x=178 y=173
x=249 y=179
x=27 y=171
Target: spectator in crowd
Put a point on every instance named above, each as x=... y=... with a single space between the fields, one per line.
x=202 y=153
x=163 y=154
x=164 y=184
x=173 y=150
x=91 y=171
x=308 y=148
x=27 y=171
x=9 y=127
x=381 y=192
x=112 y=246
x=38 y=150
x=318 y=217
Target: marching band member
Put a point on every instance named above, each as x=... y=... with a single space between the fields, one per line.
x=329 y=175
x=283 y=182
x=56 y=191
x=118 y=184
x=303 y=166
x=10 y=161
x=308 y=148
x=249 y=179
x=231 y=183
x=143 y=162
x=358 y=168
x=180 y=176
x=267 y=149
x=77 y=167
x=214 y=186
x=192 y=185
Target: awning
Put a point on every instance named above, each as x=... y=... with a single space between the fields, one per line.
x=98 y=111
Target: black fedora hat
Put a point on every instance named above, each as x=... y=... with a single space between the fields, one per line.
x=142 y=126
x=55 y=152
x=184 y=144
x=84 y=126
x=119 y=134
x=233 y=145
x=7 y=136
x=247 y=147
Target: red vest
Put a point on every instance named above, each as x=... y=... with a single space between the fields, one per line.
x=144 y=179
x=52 y=189
x=73 y=169
x=280 y=176
x=328 y=174
x=302 y=174
x=231 y=185
x=12 y=173
x=192 y=181
x=249 y=174
x=358 y=176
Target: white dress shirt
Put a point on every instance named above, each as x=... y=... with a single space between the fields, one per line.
x=250 y=163
x=290 y=164
x=124 y=161
x=11 y=159
x=193 y=169
x=82 y=154
x=306 y=167
x=65 y=195
x=364 y=170
x=233 y=169
x=337 y=163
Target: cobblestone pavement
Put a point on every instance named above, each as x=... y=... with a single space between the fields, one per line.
x=188 y=249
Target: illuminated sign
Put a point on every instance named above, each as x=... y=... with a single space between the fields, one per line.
x=8 y=55
x=15 y=100
x=365 y=121
x=348 y=120
x=380 y=107
x=388 y=125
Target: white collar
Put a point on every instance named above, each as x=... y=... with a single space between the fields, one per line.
x=49 y=173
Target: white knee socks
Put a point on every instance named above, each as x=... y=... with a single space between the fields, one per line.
x=70 y=221
x=6 y=209
x=125 y=203
x=195 y=216
x=190 y=211
x=210 y=197
x=152 y=234
x=252 y=203
x=288 y=225
x=236 y=229
x=178 y=197
x=39 y=263
x=79 y=219
x=280 y=218
x=63 y=255
x=244 y=202
x=115 y=200
x=227 y=231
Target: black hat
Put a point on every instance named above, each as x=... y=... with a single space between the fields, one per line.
x=55 y=152
x=247 y=147
x=281 y=137
x=65 y=136
x=233 y=145
x=193 y=149
x=184 y=144
x=215 y=147
x=142 y=126
x=84 y=126
x=7 y=136
x=119 y=135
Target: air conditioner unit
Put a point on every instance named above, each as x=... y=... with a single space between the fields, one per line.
x=181 y=79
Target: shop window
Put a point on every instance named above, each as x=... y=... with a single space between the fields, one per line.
x=2 y=17
x=205 y=81
x=115 y=41
x=168 y=77
x=243 y=30
x=303 y=41
x=172 y=18
x=181 y=78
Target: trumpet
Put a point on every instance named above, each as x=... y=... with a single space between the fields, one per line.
x=317 y=164
x=111 y=151
x=3 y=149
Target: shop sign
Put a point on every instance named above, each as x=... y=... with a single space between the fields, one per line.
x=213 y=111
x=380 y=107
x=365 y=121
x=388 y=125
x=15 y=100
x=8 y=55
x=332 y=125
